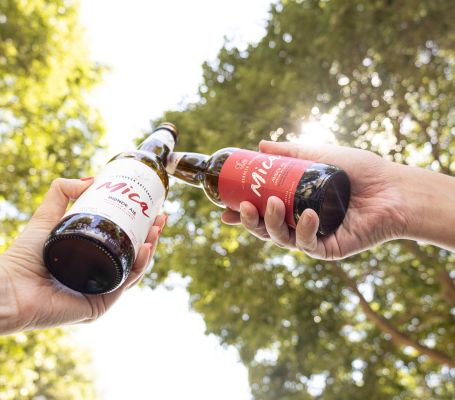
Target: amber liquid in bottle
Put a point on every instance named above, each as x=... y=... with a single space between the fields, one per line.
x=233 y=175
x=92 y=249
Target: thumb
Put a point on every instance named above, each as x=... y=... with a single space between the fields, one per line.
x=288 y=149
x=58 y=196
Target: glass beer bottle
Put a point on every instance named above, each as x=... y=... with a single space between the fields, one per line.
x=233 y=175
x=94 y=246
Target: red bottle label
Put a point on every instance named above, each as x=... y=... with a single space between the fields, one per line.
x=254 y=177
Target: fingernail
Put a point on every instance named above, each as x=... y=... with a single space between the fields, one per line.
x=88 y=178
x=270 y=205
x=306 y=219
x=165 y=218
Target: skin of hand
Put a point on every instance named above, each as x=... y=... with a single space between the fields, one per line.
x=29 y=297
x=377 y=210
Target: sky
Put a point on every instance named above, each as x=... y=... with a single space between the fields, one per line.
x=151 y=345
x=155 y=50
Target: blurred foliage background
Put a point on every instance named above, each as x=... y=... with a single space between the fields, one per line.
x=379 y=325
x=46 y=130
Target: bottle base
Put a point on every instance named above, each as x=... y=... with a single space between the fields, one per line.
x=82 y=263
x=334 y=202
x=325 y=189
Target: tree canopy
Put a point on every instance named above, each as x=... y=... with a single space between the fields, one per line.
x=47 y=130
x=45 y=72
x=378 y=325
x=44 y=365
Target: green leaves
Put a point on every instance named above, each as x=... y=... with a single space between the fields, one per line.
x=46 y=364
x=46 y=127
x=385 y=69
x=47 y=130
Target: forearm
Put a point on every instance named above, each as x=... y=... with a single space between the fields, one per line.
x=429 y=205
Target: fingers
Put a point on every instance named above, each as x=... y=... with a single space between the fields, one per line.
x=249 y=217
x=105 y=301
x=288 y=149
x=275 y=222
x=152 y=238
x=230 y=217
x=160 y=221
x=272 y=227
x=58 y=196
x=306 y=233
x=158 y=225
x=141 y=264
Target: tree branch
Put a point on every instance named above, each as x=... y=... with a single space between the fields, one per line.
x=398 y=338
x=448 y=287
x=435 y=147
x=447 y=283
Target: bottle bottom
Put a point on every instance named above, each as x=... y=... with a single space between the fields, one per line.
x=82 y=263
x=326 y=190
x=334 y=202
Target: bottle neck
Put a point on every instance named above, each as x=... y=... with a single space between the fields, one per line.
x=160 y=143
x=188 y=167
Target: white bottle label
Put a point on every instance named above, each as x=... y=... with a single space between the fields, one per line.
x=128 y=193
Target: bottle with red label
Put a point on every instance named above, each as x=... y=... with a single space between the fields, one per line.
x=233 y=175
x=94 y=246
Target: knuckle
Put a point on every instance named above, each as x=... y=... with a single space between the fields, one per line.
x=300 y=247
x=280 y=244
x=57 y=183
x=303 y=246
x=277 y=237
x=248 y=223
x=252 y=231
x=263 y=236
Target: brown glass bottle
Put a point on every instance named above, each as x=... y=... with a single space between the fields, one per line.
x=93 y=248
x=232 y=175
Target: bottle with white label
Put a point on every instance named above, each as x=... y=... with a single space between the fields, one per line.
x=233 y=175
x=94 y=246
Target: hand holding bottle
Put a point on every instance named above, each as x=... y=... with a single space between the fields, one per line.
x=388 y=200
x=93 y=248
x=29 y=297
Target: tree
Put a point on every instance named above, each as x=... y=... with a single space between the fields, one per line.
x=379 y=325
x=45 y=73
x=44 y=365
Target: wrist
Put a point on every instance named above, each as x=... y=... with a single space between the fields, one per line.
x=427 y=201
x=402 y=177
x=8 y=304
x=395 y=216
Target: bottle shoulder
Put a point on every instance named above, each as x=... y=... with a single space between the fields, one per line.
x=214 y=164
x=217 y=159
x=227 y=151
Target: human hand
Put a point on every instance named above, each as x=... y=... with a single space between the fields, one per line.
x=30 y=297
x=376 y=210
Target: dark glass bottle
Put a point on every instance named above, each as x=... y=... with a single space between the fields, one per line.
x=93 y=248
x=232 y=175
